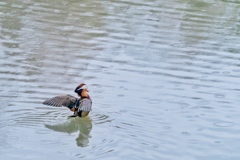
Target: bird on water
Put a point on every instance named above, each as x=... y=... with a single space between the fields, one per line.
x=80 y=106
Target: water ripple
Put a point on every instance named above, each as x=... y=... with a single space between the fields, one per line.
x=163 y=76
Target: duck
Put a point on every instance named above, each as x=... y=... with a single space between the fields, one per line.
x=80 y=106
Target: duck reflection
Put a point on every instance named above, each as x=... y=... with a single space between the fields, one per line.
x=83 y=125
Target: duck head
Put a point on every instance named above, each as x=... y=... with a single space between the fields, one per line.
x=82 y=90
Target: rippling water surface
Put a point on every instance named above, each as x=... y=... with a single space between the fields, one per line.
x=163 y=76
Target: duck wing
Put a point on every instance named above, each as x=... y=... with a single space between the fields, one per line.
x=63 y=100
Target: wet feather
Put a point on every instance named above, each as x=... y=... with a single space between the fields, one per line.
x=63 y=100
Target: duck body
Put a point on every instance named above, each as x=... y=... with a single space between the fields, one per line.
x=80 y=106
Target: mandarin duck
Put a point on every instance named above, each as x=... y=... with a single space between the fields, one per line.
x=80 y=106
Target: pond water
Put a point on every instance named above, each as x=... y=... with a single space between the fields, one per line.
x=163 y=77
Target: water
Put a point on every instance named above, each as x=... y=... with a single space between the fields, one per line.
x=163 y=76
